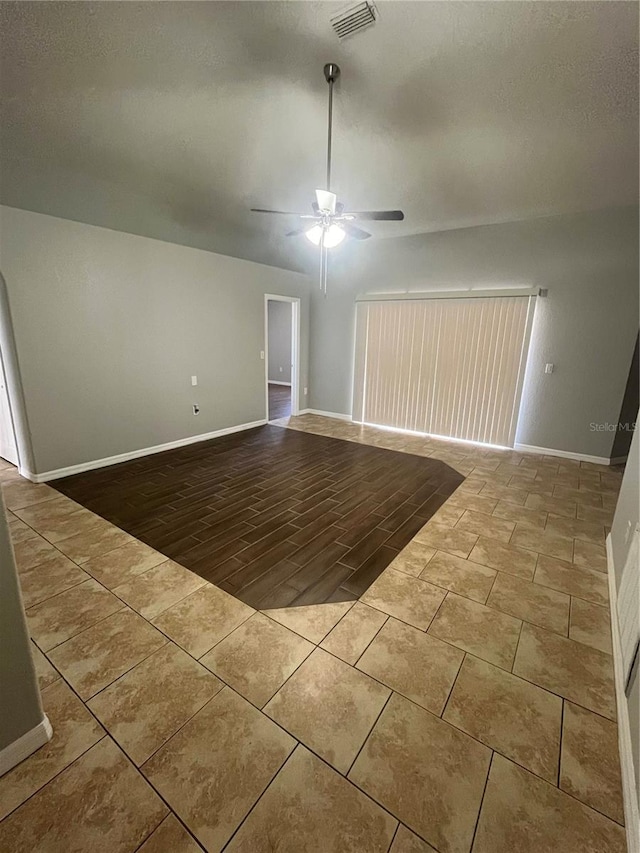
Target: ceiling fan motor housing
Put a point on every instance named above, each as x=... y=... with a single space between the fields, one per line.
x=331 y=72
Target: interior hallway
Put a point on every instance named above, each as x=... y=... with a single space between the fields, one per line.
x=464 y=702
x=279 y=401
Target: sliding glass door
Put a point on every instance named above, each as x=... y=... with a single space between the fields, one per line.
x=447 y=366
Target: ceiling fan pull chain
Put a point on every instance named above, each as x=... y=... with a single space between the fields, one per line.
x=325 y=268
x=324 y=261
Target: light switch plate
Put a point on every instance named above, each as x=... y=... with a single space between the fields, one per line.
x=194 y=380
x=548 y=368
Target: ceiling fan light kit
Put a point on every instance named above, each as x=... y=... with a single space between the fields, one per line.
x=331 y=224
x=330 y=237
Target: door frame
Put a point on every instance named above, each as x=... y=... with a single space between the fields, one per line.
x=295 y=350
x=5 y=403
x=13 y=385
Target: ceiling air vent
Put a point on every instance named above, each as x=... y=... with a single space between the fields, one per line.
x=354 y=19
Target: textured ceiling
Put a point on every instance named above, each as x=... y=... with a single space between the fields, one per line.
x=172 y=119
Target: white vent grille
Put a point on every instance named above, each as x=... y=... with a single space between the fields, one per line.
x=354 y=19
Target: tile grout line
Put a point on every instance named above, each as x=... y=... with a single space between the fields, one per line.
x=561 y=744
x=480 y=743
x=264 y=791
x=361 y=655
x=121 y=748
x=180 y=727
x=515 y=654
x=115 y=680
x=484 y=792
x=151 y=786
x=368 y=735
x=42 y=600
x=156 y=828
x=450 y=694
x=395 y=834
x=56 y=775
x=571 y=597
x=82 y=630
x=106 y=731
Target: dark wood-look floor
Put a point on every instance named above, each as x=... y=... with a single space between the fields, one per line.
x=274 y=516
x=279 y=401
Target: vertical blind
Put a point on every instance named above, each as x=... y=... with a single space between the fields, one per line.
x=451 y=367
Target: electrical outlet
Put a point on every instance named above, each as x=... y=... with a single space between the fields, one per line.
x=305 y=391
x=280 y=370
x=196 y=409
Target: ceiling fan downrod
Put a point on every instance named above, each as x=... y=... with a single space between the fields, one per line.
x=331 y=74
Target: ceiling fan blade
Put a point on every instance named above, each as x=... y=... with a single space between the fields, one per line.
x=295 y=233
x=281 y=212
x=380 y=215
x=339 y=208
x=316 y=209
x=353 y=231
x=326 y=200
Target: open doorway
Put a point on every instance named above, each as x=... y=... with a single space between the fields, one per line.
x=8 y=444
x=15 y=440
x=281 y=355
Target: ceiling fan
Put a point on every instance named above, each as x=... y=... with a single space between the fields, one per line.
x=330 y=223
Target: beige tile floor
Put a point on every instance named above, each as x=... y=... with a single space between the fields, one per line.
x=466 y=703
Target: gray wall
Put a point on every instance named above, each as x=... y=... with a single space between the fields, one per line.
x=587 y=326
x=21 y=709
x=279 y=341
x=109 y=328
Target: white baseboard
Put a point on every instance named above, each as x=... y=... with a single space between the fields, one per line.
x=25 y=745
x=273 y=382
x=135 y=454
x=338 y=415
x=566 y=454
x=528 y=448
x=629 y=792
